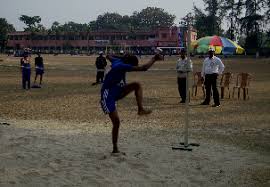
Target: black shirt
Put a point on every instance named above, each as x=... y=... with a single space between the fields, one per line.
x=101 y=62
x=39 y=61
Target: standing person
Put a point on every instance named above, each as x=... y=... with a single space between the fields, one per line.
x=212 y=67
x=101 y=64
x=26 y=71
x=39 y=68
x=115 y=88
x=182 y=68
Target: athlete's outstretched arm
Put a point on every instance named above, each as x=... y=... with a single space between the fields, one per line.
x=146 y=66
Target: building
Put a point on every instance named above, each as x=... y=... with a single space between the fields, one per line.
x=90 y=42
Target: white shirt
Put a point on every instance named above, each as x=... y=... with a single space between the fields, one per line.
x=182 y=67
x=212 y=65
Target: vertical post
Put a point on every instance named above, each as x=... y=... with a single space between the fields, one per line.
x=187 y=87
x=185 y=146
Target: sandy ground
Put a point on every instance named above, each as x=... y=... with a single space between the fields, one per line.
x=43 y=154
x=68 y=156
x=58 y=136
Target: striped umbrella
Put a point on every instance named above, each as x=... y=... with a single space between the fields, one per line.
x=222 y=45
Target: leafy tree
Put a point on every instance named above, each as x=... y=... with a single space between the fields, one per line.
x=214 y=15
x=200 y=22
x=146 y=19
x=267 y=20
x=110 y=21
x=151 y=17
x=55 y=27
x=233 y=10
x=32 y=23
x=73 y=27
x=267 y=12
x=93 y=26
x=209 y=23
x=252 y=23
x=5 y=28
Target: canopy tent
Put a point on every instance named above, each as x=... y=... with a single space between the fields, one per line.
x=222 y=45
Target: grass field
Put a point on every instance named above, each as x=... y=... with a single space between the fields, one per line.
x=68 y=98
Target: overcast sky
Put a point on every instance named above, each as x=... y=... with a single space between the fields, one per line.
x=84 y=11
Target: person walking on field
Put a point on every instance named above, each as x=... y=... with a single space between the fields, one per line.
x=182 y=68
x=39 y=68
x=26 y=71
x=212 y=67
x=101 y=64
x=115 y=88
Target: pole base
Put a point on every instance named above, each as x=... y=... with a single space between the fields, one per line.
x=183 y=147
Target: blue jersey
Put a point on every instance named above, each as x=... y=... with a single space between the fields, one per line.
x=26 y=68
x=112 y=87
x=117 y=75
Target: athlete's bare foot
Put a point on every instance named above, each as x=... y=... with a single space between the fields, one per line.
x=144 y=112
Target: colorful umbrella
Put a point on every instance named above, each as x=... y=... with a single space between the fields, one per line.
x=222 y=45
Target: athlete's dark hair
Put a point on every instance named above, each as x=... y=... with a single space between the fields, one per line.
x=131 y=59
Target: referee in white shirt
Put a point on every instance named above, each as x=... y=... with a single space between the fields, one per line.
x=212 y=67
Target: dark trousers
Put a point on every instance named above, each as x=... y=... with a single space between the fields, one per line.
x=182 y=88
x=100 y=76
x=26 y=80
x=211 y=82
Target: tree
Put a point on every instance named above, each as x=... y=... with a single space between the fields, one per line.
x=111 y=21
x=267 y=12
x=72 y=27
x=252 y=24
x=214 y=16
x=209 y=23
x=5 y=28
x=55 y=28
x=151 y=17
x=200 y=22
x=267 y=20
x=148 y=18
x=32 y=23
x=233 y=10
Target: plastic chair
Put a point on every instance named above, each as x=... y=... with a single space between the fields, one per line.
x=197 y=82
x=225 y=83
x=242 y=82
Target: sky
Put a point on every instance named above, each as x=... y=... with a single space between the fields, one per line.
x=84 y=11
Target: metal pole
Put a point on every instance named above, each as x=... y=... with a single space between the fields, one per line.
x=187 y=87
x=185 y=146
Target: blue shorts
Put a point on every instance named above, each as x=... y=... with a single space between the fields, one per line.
x=109 y=98
x=39 y=71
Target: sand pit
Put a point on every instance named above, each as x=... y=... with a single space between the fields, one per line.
x=64 y=156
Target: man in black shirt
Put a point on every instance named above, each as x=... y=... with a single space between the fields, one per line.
x=39 y=68
x=101 y=64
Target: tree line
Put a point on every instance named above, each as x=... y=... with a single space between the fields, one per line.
x=246 y=21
